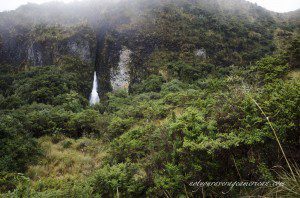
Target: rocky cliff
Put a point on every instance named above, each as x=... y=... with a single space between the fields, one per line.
x=121 y=38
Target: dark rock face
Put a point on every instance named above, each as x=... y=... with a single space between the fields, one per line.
x=28 y=46
x=14 y=46
x=39 y=55
x=107 y=55
x=80 y=48
x=23 y=47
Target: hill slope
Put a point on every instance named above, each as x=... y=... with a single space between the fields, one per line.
x=226 y=33
x=191 y=90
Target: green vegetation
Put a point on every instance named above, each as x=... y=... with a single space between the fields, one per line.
x=229 y=112
x=165 y=134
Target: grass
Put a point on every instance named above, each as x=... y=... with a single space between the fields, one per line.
x=295 y=74
x=67 y=159
x=291 y=187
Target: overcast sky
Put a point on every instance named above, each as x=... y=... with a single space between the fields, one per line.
x=274 y=5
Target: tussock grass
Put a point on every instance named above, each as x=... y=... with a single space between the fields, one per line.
x=67 y=159
x=294 y=74
x=291 y=187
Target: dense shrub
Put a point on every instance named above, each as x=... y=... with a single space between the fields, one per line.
x=173 y=86
x=189 y=72
x=152 y=84
x=18 y=149
x=269 y=69
x=118 y=126
x=123 y=179
x=43 y=84
x=281 y=102
x=134 y=144
x=84 y=123
x=71 y=101
x=11 y=102
x=41 y=119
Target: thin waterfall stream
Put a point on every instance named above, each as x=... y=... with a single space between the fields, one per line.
x=94 y=95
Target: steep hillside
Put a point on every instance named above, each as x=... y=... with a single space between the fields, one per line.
x=192 y=92
x=221 y=33
x=293 y=16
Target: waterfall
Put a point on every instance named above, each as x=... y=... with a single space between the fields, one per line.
x=94 y=95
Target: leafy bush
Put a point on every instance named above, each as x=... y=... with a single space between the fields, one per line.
x=269 y=69
x=118 y=180
x=84 y=123
x=71 y=101
x=46 y=120
x=43 y=84
x=281 y=102
x=66 y=190
x=173 y=86
x=189 y=72
x=118 y=126
x=11 y=181
x=183 y=98
x=170 y=180
x=18 y=149
x=152 y=84
x=11 y=102
x=133 y=145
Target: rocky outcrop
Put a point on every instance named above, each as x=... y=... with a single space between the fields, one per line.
x=81 y=49
x=34 y=55
x=120 y=76
x=13 y=48
x=47 y=45
x=201 y=53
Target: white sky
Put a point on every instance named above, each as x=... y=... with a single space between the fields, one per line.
x=13 y=4
x=274 y=5
x=278 y=5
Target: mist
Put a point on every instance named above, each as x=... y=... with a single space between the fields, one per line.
x=272 y=5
